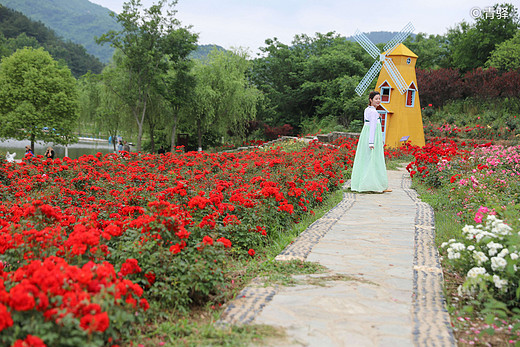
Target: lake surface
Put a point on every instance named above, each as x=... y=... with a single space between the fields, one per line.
x=76 y=150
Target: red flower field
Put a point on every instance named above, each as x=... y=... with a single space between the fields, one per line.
x=85 y=244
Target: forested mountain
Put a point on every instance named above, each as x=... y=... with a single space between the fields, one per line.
x=379 y=36
x=18 y=31
x=76 y=20
x=202 y=51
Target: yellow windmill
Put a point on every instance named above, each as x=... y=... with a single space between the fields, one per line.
x=400 y=108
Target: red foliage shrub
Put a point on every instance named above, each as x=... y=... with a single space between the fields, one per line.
x=436 y=87
x=273 y=133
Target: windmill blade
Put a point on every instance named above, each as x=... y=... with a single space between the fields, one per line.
x=365 y=42
x=395 y=75
x=400 y=37
x=372 y=72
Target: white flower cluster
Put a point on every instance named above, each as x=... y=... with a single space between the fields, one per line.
x=494 y=228
x=487 y=254
x=454 y=249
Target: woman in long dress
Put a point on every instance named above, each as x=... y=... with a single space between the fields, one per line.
x=369 y=171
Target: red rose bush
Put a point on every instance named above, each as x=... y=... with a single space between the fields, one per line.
x=86 y=244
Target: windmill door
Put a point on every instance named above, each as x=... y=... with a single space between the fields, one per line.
x=383 y=114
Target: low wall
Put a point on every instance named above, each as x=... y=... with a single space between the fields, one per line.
x=333 y=136
x=325 y=138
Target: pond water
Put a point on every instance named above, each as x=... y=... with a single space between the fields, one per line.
x=75 y=150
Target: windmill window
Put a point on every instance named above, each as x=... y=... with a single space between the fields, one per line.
x=410 y=98
x=385 y=94
x=408 y=61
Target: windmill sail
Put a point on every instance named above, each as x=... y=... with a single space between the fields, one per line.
x=365 y=42
x=374 y=70
x=396 y=75
x=399 y=38
x=382 y=59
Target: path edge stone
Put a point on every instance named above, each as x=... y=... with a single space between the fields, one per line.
x=431 y=321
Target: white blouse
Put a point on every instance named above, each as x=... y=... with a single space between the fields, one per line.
x=372 y=117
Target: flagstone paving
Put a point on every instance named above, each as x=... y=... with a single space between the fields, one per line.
x=383 y=286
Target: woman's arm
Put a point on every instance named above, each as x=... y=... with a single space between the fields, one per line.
x=372 y=116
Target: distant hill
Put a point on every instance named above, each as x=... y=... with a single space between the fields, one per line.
x=18 y=31
x=76 y=20
x=379 y=36
x=202 y=51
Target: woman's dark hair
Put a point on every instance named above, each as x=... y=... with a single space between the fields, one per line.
x=372 y=95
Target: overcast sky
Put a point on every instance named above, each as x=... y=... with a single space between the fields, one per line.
x=248 y=23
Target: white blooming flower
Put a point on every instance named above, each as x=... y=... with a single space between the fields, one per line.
x=457 y=246
x=471 y=248
x=480 y=257
x=499 y=283
x=498 y=263
x=502 y=229
x=476 y=271
x=453 y=255
x=514 y=256
x=493 y=247
x=468 y=229
x=503 y=253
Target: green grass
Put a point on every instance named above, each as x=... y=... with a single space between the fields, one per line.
x=446 y=225
x=397 y=163
x=289 y=145
x=282 y=272
x=199 y=329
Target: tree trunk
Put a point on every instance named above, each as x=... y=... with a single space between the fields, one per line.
x=174 y=130
x=140 y=122
x=33 y=138
x=199 y=134
x=139 y=136
x=152 y=141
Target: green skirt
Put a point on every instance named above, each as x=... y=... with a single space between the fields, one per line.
x=369 y=171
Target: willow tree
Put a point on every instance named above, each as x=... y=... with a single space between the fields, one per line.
x=224 y=99
x=38 y=98
x=149 y=41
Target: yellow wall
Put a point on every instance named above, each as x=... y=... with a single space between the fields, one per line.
x=404 y=121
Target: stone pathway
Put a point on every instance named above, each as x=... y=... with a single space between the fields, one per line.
x=384 y=281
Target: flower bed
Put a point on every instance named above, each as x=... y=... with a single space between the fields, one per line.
x=86 y=244
x=477 y=184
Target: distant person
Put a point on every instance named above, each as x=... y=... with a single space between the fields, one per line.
x=28 y=151
x=10 y=157
x=120 y=146
x=49 y=154
x=161 y=150
x=126 y=147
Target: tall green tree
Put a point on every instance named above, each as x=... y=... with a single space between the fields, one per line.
x=224 y=98
x=177 y=88
x=432 y=50
x=506 y=56
x=471 y=45
x=149 y=40
x=312 y=77
x=38 y=98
